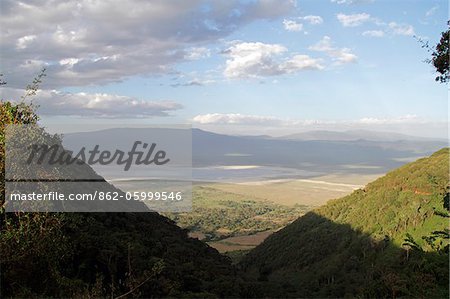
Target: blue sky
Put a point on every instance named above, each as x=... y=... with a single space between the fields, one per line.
x=239 y=67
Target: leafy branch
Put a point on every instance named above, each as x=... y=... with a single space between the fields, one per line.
x=33 y=88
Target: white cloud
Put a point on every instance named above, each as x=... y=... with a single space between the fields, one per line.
x=392 y=28
x=251 y=124
x=69 y=61
x=344 y=56
x=404 y=119
x=102 y=105
x=291 y=25
x=401 y=29
x=194 y=82
x=300 y=62
x=252 y=59
x=236 y=119
x=432 y=11
x=25 y=41
x=340 y=55
x=197 y=53
x=353 y=20
x=373 y=33
x=352 y=1
x=324 y=45
x=261 y=120
x=313 y=20
x=107 y=41
x=256 y=59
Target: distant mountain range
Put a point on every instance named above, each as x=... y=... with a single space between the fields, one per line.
x=333 y=154
x=355 y=135
x=328 y=155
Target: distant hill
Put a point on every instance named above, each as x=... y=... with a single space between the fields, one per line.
x=353 y=135
x=389 y=239
x=211 y=149
x=328 y=155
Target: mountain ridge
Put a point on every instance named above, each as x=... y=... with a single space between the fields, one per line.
x=354 y=135
x=211 y=149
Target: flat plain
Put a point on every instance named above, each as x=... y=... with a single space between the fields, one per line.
x=310 y=192
x=239 y=216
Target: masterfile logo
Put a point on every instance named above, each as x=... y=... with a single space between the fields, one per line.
x=106 y=170
x=57 y=155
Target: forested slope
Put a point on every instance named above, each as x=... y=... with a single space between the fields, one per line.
x=99 y=255
x=389 y=239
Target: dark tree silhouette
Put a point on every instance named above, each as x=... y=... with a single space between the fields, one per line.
x=2 y=82
x=440 y=57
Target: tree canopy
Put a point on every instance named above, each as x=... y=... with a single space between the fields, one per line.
x=440 y=57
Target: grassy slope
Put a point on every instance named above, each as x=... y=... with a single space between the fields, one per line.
x=352 y=246
x=402 y=201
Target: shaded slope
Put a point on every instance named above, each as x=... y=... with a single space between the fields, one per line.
x=353 y=245
x=109 y=254
x=99 y=255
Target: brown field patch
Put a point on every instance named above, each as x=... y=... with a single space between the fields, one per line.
x=240 y=242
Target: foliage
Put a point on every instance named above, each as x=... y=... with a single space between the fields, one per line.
x=440 y=57
x=381 y=241
x=92 y=255
x=31 y=89
x=26 y=237
x=15 y=113
x=219 y=214
x=2 y=82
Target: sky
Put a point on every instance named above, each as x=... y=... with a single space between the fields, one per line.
x=231 y=66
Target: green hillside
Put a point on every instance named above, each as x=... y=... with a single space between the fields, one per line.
x=389 y=239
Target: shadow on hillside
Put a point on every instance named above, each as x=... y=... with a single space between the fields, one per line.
x=107 y=255
x=316 y=257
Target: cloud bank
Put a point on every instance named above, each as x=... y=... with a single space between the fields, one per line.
x=259 y=120
x=256 y=59
x=99 y=105
x=248 y=124
x=94 y=42
x=339 y=55
x=353 y=20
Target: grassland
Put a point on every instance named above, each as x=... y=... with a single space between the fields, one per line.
x=240 y=243
x=219 y=215
x=308 y=192
x=238 y=217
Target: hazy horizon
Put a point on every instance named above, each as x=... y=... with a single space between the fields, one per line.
x=234 y=67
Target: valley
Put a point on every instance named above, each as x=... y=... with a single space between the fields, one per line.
x=319 y=234
x=239 y=216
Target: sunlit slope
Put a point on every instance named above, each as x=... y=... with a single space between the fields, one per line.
x=371 y=243
x=404 y=200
